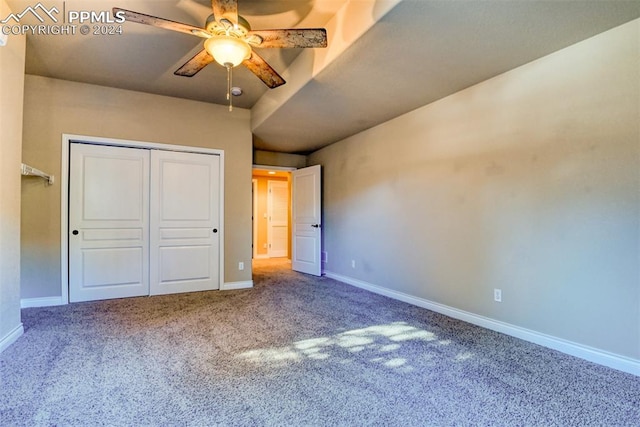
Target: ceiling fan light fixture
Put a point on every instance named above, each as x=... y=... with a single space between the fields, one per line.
x=227 y=50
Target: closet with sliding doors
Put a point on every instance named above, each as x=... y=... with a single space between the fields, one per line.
x=142 y=221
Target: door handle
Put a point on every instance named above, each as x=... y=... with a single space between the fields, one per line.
x=74 y=232
x=315 y=225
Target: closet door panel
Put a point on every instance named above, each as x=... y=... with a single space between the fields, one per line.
x=185 y=244
x=108 y=222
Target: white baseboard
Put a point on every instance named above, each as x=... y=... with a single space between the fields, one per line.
x=591 y=354
x=11 y=337
x=41 y=302
x=230 y=286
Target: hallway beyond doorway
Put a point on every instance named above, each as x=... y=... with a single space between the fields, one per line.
x=271 y=264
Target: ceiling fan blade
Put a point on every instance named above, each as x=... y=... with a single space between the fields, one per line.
x=195 y=64
x=292 y=37
x=260 y=68
x=154 y=21
x=225 y=9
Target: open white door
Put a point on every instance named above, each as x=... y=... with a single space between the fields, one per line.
x=307 y=230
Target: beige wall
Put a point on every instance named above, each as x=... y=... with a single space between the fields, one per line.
x=54 y=107
x=11 y=98
x=528 y=182
x=270 y=158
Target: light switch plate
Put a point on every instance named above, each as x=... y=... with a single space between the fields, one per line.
x=3 y=39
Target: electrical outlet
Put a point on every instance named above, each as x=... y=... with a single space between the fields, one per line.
x=324 y=256
x=497 y=295
x=264 y=246
x=241 y=265
x=353 y=263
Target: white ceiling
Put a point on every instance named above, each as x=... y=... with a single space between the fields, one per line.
x=378 y=65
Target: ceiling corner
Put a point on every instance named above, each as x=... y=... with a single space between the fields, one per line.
x=353 y=20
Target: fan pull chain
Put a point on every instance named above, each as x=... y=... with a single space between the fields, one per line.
x=229 y=66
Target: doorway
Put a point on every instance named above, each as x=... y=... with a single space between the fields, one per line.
x=271 y=213
x=303 y=232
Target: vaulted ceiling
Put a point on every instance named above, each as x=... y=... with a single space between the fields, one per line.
x=385 y=57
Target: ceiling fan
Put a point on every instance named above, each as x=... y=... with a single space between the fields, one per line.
x=229 y=40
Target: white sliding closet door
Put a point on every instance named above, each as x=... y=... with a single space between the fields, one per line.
x=185 y=244
x=108 y=222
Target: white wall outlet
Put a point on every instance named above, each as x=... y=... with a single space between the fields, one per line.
x=353 y=263
x=324 y=256
x=264 y=246
x=3 y=39
x=497 y=295
x=241 y=265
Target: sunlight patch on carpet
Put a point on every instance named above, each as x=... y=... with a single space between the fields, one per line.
x=381 y=342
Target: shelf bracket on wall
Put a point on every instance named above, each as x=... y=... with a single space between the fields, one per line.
x=31 y=171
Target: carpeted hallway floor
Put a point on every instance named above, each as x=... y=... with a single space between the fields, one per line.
x=297 y=351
